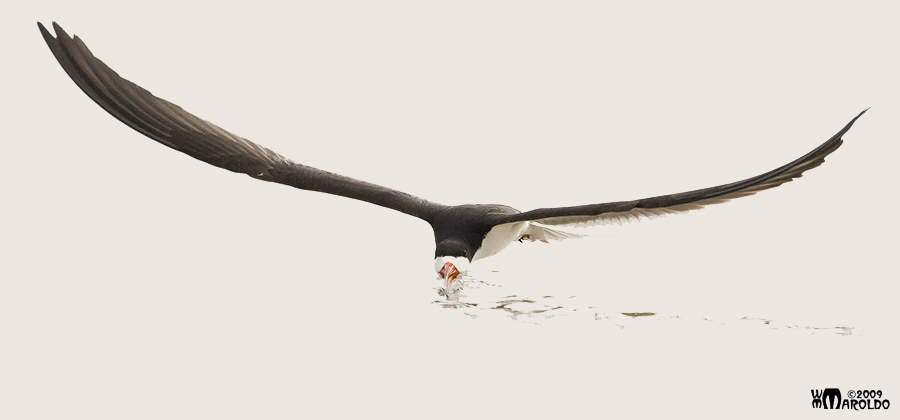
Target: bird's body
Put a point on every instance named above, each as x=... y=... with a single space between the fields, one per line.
x=485 y=227
x=462 y=233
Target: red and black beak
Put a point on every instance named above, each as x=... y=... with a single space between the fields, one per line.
x=448 y=273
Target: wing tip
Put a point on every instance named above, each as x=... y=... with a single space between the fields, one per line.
x=859 y=115
x=850 y=124
x=60 y=32
x=45 y=33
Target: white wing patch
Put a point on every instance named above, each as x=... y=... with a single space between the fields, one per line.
x=499 y=237
x=536 y=232
x=502 y=235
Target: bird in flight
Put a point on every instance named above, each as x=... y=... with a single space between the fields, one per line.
x=462 y=233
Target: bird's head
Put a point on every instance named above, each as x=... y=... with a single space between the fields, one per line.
x=451 y=257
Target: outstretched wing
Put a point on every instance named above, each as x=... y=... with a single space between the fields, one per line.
x=174 y=127
x=622 y=211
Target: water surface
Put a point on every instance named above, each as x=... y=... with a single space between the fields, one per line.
x=487 y=295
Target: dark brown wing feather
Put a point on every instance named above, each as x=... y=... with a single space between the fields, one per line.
x=174 y=127
x=620 y=211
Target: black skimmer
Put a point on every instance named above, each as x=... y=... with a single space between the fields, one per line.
x=462 y=234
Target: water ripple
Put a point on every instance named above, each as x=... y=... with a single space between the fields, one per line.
x=477 y=298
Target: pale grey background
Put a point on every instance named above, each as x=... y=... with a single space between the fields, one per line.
x=139 y=283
